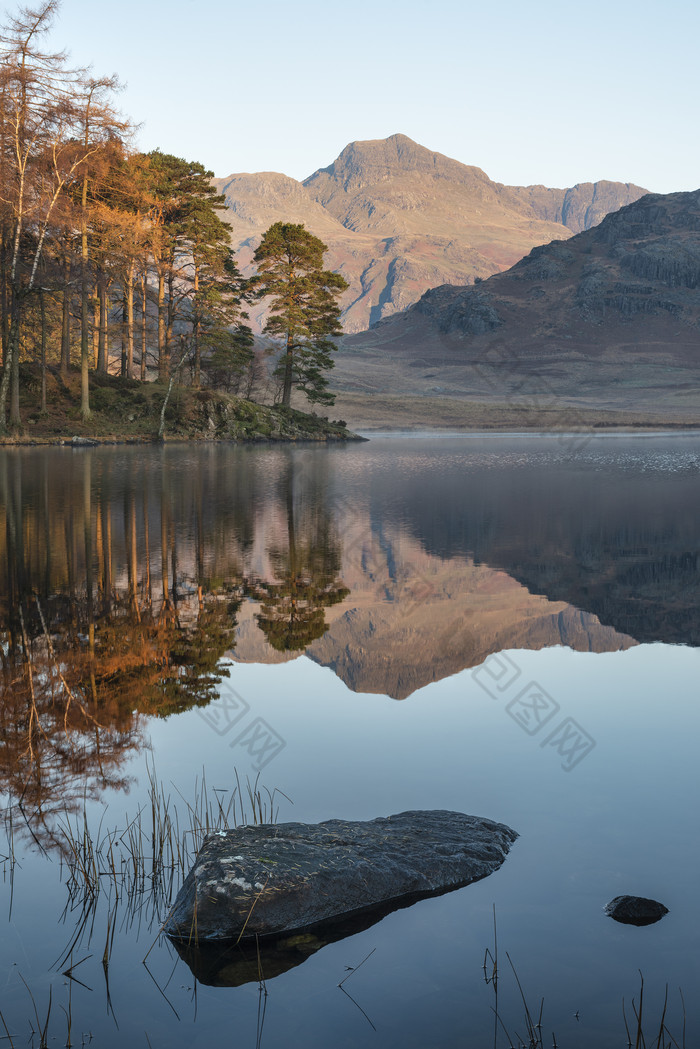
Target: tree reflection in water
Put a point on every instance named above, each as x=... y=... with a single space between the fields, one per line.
x=306 y=568
x=121 y=578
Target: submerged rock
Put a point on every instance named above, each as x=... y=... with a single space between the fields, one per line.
x=226 y=963
x=274 y=879
x=635 y=910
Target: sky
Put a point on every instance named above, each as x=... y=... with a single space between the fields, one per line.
x=532 y=92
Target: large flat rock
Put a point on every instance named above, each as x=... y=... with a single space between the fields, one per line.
x=274 y=879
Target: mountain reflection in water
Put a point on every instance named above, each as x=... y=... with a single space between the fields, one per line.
x=129 y=578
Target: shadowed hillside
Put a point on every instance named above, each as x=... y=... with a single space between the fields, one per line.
x=609 y=318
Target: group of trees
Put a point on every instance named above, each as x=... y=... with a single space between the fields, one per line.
x=100 y=244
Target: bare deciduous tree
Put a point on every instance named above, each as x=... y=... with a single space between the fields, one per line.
x=54 y=120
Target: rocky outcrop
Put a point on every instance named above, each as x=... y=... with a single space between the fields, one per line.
x=635 y=910
x=399 y=219
x=676 y=266
x=217 y=416
x=545 y=263
x=271 y=880
x=581 y=207
x=473 y=315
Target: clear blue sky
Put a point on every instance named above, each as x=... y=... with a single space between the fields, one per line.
x=539 y=92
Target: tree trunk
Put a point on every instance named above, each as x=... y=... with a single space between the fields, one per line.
x=5 y=384
x=42 y=307
x=15 y=418
x=130 y=320
x=4 y=312
x=170 y=314
x=96 y=326
x=195 y=331
x=65 y=319
x=144 y=323
x=122 y=366
x=102 y=349
x=84 y=354
x=84 y=323
x=288 y=361
x=10 y=374
x=161 y=427
x=162 y=359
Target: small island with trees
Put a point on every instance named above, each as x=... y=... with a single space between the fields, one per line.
x=122 y=309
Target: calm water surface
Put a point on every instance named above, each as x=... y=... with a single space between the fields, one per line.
x=505 y=626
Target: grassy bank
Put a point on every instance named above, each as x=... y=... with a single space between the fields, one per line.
x=408 y=412
x=127 y=410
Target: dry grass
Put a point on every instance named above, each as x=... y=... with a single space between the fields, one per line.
x=409 y=412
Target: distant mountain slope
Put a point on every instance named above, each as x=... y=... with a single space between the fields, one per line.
x=581 y=207
x=611 y=315
x=399 y=219
x=257 y=201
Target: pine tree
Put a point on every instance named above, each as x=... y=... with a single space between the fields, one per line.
x=304 y=309
x=217 y=290
x=192 y=241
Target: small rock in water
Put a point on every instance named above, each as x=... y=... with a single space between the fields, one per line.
x=272 y=879
x=635 y=910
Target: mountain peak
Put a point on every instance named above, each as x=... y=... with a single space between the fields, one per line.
x=399 y=218
x=368 y=161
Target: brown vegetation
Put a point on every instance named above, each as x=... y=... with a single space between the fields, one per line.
x=606 y=322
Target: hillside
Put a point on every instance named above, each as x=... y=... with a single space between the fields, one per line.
x=608 y=319
x=399 y=219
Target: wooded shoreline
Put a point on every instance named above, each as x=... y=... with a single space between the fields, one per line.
x=127 y=411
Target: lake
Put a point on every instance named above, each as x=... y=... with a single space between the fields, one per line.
x=501 y=625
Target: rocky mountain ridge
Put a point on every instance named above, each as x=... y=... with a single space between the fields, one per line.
x=399 y=219
x=610 y=316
